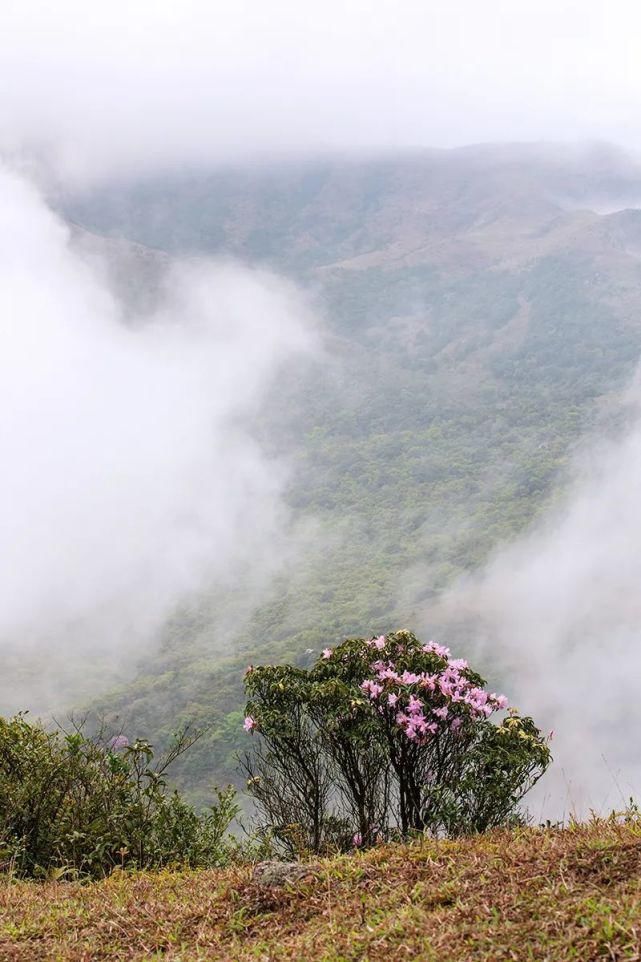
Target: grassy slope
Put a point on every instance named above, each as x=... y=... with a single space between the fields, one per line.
x=532 y=894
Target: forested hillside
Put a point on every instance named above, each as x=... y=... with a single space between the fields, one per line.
x=480 y=311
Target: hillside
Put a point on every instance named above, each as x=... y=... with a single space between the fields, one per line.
x=480 y=312
x=541 y=894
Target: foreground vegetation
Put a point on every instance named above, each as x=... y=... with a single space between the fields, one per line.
x=77 y=805
x=544 y=894
x=384 y=737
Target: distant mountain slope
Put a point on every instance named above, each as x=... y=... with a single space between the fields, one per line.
x=434 y=206
x=133 y=271
x=481 y=314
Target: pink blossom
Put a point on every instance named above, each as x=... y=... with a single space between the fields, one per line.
x=451 y=675
x=410 y=678
x=392 y=699
x=499 y=700
x=476 y=697
x=455 y=724
x=388 y=673
x=459 y=664
x=372 y=687
x=249 y=724
x=377 y=642
x=428 y=681
x=357 y=840
x=414 y=705
x=327 y=652
x=441 y=712
x=118 y=742
x=432 y=648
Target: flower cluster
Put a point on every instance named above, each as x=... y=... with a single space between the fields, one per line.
x=425 y=703
x=118 y=742
x=421 y=703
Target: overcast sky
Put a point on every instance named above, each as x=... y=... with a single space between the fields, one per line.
x=110 y=86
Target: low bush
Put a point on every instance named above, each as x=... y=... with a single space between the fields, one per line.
x=384 y=737
x=75 y=805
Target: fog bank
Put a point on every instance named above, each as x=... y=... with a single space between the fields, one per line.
x=106 y=89
x=130 y=476
x=558 y=615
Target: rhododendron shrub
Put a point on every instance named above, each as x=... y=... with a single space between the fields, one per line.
x=381 y=736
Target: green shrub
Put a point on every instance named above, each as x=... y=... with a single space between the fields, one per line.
x=79 y=805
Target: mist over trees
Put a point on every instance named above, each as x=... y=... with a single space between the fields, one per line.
x=479 y=311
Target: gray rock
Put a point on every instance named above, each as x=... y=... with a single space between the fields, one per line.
x=273 y=873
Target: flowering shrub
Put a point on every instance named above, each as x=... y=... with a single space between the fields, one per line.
x=385 y=735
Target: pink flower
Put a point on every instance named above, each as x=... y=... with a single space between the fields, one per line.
x=118 y=742
x=459 y=664
x=377 y=642
x=392 y=699
x=441 y=712
x=249 y=724
x=414 y=705
x=357 y=840
x=477 y=698
x=410 y=678
x=327 y=652
x=455 y=724
x=432 y=648
x=372 y=687
x=388 y=673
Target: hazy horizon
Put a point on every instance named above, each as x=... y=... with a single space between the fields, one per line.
x=123 y=88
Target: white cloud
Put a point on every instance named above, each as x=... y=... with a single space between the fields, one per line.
x=129 y=473
x=558 y=613
x=133 y=86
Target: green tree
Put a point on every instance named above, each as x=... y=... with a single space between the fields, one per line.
x=380 y=737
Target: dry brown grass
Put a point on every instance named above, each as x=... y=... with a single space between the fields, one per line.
x=532 y=894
